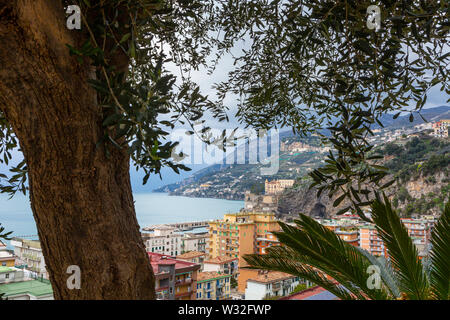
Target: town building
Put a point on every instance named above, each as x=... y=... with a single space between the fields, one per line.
x=222 y=265
x=212 y=285
x=15 y=285
x=7 y=259
x=349 y=235
x=193 y=257
x=277 y=186
x=195 y=242
x=237 y=234
x=30 y=254
x=441 y=128
x=174 y=279
x=269 y=284
x=266 y=241
x=370 y=240
x=164 y=240
x=420 y=232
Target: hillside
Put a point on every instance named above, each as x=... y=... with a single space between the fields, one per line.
x=421 y=166
x=231 y=181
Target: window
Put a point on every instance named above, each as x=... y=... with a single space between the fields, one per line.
x=7 y=276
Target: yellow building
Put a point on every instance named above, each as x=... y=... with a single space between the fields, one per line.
x=237 y=234
x=213 y=286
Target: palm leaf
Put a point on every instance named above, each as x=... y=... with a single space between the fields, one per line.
x=386 y=272
x=280 y=259
x=402 y=252
x=315 y=246
x=440 y=257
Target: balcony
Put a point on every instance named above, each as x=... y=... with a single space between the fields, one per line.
x=183 y=281
x=182 y=295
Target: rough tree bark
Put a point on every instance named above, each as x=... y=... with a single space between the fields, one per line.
x=81 y=200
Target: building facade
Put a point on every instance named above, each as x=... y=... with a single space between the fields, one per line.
x=164 y=240
x=277 y=186
x=194 y=242
x=213 y=286
x=270 y=283
x=222 y=265
x=193 y=257
x=174 y=279
x=237 y=234
x=441 y=128
x=30 y=254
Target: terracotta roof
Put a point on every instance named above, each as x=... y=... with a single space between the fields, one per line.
x=201 y=276
x=220 y=260
x=157 y=259
x=190 y=255
x=270 y=276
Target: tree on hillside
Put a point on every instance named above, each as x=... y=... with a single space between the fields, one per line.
x=80 y=104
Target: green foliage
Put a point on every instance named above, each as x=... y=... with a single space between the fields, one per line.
x=233 y=283
x=314 y=252
x=4 y=235
x=310 y=65
x=315 y=64
x=267 y=297
x=300 y=287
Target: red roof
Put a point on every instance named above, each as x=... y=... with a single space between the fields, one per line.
x=314 y=293
x=157 y=259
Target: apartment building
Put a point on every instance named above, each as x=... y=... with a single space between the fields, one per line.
x=420 y=232
x=193 y=257
x=270 y=283
x=349 y=235
x=213 y=286
x=174 y=279
x=237 y=234
x=277 y=186
x=30 y=254
x=266 y=241
x=195 y=242
x=222 y=265
x=163 y=240
x=370 y=241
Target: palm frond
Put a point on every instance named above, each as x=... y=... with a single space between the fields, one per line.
x=440 y=257
x=277 y=259
x=402 y=252
x=386 y=272
x=313 y=245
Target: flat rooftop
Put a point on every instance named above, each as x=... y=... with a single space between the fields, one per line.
x=32 y=287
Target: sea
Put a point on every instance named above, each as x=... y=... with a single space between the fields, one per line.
x=151 y=208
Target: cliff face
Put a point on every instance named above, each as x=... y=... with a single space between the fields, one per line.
x=422 y=189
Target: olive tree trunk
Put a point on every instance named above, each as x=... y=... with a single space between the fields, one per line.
x=81 y=200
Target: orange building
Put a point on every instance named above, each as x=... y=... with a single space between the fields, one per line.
x=370 y=241
x=351 y=236
x=239 y=234
x=268 y=240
